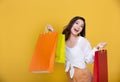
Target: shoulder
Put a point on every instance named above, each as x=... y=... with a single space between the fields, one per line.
x=83 y=39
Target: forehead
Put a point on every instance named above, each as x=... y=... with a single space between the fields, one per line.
x=80 y=21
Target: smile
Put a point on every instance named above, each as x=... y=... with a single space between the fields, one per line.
x=76 y=30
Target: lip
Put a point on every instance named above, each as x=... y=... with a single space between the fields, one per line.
x=76 y=30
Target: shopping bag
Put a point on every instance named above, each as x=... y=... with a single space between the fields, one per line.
x=100 y=72
x=44 y=53
x=60 y=49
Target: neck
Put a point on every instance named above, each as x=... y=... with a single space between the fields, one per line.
x=72 y=37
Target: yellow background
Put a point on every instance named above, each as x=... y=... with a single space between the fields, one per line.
x=21 y=21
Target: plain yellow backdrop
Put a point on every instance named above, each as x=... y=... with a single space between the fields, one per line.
x=21 y=21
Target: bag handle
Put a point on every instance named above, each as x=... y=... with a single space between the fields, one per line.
x=45 y=30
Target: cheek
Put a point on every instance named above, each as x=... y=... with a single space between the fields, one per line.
x=81 y=29
x=72 y=29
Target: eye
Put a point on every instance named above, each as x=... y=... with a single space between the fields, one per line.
x=76 y=22
x=82 y=26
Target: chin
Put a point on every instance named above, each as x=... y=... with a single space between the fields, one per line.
x=75 y=34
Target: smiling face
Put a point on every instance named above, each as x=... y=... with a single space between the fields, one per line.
x=77 y=27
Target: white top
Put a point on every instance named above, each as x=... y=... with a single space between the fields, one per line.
x=79 y=55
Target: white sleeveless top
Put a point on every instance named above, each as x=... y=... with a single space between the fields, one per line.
x=79 y=55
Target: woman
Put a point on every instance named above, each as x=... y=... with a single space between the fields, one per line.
x=78 y=50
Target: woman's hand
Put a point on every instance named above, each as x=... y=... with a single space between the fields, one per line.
x=101 y=45
x=50 y=28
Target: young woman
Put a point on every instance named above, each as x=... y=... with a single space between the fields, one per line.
x=78 y=50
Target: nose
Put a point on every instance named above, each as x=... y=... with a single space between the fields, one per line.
x=78 y=27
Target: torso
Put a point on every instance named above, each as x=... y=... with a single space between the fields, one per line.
x=75 y=56
x=72 y=42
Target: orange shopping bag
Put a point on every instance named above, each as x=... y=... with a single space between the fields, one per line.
x=44 y=54
x=100 y=72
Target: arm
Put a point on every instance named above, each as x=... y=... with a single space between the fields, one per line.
x=89 y=53
x=89 y=58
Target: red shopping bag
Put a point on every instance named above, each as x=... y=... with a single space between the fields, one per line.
x=100 y=73
x=44 y=54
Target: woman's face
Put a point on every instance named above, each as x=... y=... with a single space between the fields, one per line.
x=77 y=27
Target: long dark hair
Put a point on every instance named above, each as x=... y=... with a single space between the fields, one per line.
x=67 y=30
